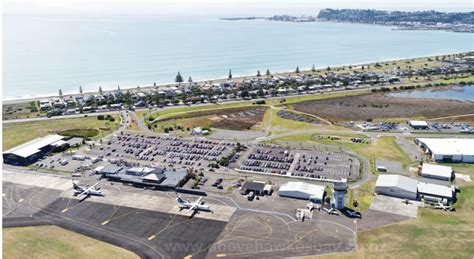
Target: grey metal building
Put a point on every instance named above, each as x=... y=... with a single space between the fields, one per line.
x=31 y=151
x=397 y=186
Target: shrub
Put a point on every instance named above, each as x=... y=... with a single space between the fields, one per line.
x=100 y=117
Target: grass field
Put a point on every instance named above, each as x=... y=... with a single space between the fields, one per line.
x=363 y=195
x=18 y=133
x=435 y=234
x=55 y=242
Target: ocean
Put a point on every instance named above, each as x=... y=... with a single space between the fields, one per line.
x=42 y=54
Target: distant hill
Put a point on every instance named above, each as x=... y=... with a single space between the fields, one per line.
x=395 y=17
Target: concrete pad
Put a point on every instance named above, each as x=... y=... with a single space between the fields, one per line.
x=464 y=177
x=392 y=166
x=37 y=180
x=156 y=203
x=395 y=206
x=117 y=198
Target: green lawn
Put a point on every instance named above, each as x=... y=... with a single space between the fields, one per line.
x=363 y=194
x=55 y=242
x=182 y=110
x=435 y=234
x=17 y=133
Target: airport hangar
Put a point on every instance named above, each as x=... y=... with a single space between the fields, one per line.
x=460 y=150
x=304 y=191
x=397 y=186
x=33 y=150
x=407 y=188
x=439 y=172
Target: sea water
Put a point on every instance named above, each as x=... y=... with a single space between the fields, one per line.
x=42 y=54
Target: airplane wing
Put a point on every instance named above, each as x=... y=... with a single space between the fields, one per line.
x=194 y=206
x=93 y=186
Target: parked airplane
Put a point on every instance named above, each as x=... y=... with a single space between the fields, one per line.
x=87 y=191
x=195 y=207
x=331 y=211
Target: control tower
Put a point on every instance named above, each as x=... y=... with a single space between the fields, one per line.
x=339 y=191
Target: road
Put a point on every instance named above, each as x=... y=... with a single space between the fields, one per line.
x=181 y=106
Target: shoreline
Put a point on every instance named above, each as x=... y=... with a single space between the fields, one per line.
x=236 y=78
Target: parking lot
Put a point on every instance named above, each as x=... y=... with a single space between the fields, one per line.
x=438 y=127
x=161 y=150
x=299 y=163
x=201 y=155
x=297 y=117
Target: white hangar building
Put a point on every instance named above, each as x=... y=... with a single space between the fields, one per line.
x=448 y=149
x=397 y=186
x=301 y=190
x=439 y=172
x=428 y=190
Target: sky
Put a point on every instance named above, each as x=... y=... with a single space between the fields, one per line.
x=221 y=7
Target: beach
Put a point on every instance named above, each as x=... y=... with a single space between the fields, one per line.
x=108 y=51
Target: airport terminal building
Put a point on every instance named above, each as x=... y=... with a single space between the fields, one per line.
x=153 y=178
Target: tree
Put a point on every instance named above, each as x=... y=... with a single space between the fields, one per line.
x=179 y=78
x=297 y=71
x=60 y=93
x=138 y=88
x=190 y=80
x=258 y=73
x=313 y=69
x=100 y=90
x=80 y=89
x=128 y=99
x=328 y=69
x=230 y=74
x=154 y=84
x=118 y=88
x=268 y=72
